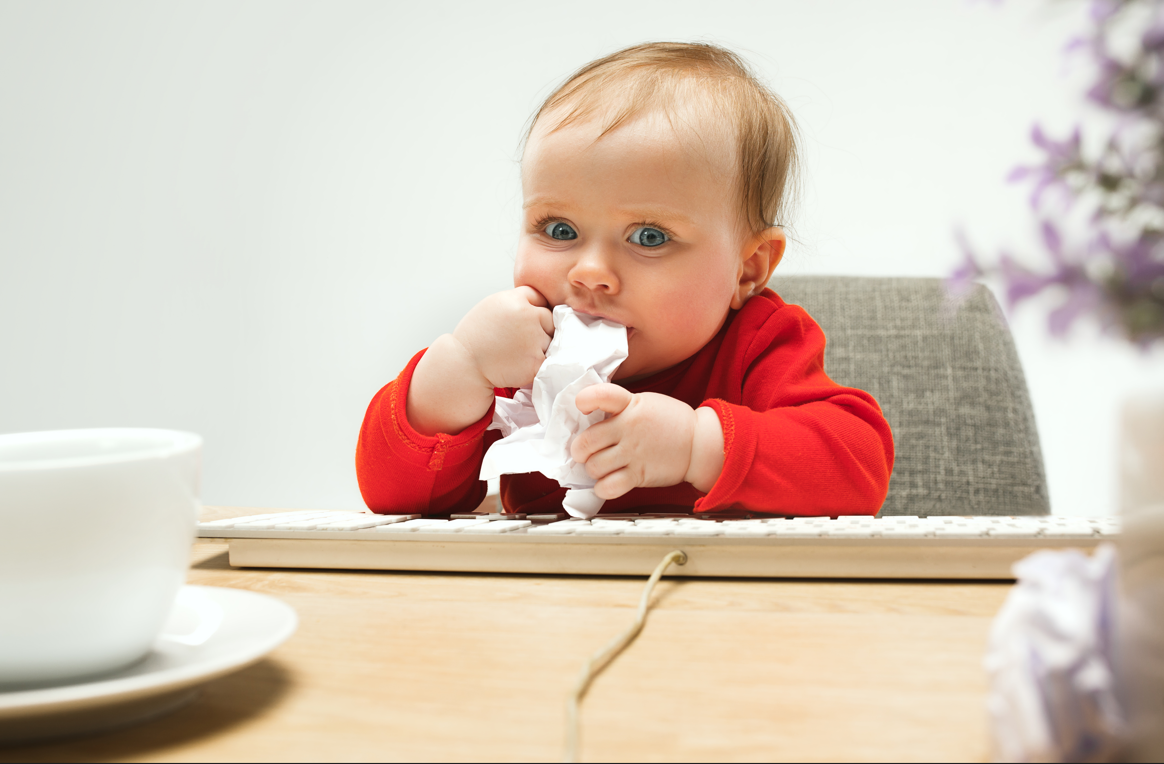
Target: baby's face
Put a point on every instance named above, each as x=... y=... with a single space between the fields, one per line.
x=640 y=227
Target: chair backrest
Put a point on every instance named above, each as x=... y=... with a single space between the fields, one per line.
x=949 y=381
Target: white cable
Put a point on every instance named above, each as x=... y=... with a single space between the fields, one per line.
x=601 y=659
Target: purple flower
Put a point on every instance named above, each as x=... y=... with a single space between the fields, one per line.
x=1118 y=87
x=1061 y=157
x=1082 y=297
x=1153 y=38
x=1138 y=259
x=1054 y=243
x=962 y=279
x=1102 y=10
x=1021 y=282
x=1113 y=272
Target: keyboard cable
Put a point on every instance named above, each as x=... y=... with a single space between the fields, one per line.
x=603 y=658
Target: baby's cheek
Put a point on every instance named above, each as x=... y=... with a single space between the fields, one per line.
x=530 y=270
x=685 y=319
x=707 y=297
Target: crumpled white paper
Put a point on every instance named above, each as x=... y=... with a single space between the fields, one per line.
x=1053 y=694
x=540 y=423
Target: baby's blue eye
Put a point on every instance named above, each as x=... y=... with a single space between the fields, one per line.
x=560 y=231
x=648 y=237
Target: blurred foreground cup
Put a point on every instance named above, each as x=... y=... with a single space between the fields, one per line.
x=95 y=534
x=1140 y=635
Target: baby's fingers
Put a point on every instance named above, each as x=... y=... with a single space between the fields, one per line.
x=594 y=439
x=610 y=398
x=534 y=296
x=547 y=321
x=615 y=484
x=605 y=462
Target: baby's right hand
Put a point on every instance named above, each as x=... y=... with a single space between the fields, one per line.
x=507 y=335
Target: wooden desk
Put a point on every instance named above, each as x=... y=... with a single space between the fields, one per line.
x=403 y=666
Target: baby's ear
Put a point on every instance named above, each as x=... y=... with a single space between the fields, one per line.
x=759 y=259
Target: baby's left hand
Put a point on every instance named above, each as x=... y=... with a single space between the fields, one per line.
x=647 y=440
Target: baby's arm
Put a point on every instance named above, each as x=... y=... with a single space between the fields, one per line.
x=501 y=342
x=401 y=470
x=424 y=434
x=795 y=441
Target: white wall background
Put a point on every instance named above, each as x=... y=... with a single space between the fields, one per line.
x=242 y=218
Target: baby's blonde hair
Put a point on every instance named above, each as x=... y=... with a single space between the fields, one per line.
x=655 y=76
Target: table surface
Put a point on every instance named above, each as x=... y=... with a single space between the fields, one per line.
x=419 y=666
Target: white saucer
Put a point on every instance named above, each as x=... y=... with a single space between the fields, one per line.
x=211 y=632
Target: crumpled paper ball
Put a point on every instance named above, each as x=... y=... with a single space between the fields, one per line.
x=540 y=422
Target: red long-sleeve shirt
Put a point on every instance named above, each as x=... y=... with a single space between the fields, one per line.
x=795 y=442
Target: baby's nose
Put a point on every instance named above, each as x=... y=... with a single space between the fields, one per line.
x=593 y=271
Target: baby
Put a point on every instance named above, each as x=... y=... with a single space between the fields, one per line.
x=653 y=181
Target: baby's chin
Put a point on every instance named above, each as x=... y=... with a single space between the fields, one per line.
x=630 y=371
x=629 y=376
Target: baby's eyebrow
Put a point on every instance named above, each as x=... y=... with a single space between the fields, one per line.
x=659 y=213
x=636 y=212
x=543 y=201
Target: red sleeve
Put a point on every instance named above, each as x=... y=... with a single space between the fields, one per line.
x=799 y=443
x=401 y=471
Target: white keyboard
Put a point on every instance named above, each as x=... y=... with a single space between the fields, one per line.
x=845 y=547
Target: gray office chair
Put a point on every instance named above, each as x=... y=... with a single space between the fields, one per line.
x=948 y=380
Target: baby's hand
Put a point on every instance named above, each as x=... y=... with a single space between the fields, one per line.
x=507 y=335
x=649 y=440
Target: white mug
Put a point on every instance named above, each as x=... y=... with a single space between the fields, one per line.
x=95 y=534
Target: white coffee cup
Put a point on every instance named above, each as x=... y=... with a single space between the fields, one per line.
x=95 y=534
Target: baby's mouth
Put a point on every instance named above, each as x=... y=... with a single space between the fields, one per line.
x=605 y=317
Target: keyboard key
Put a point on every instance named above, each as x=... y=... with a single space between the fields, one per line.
x=746 y=528
x=854 y=520
x=692 y=529
x=604 y=528
x=794 y=529
x=959 y=530
x=562 y=528
x=651 y=529
x=1108 y=526
x=262 y=521
x=225 y=523
x=230 y=522
x=1076 y=529
x=733 y=529
x=408 y=526
x=302 y=525
x=752 y=531
x=359 y=524
x=497 y=526
x=904 y=532
x=274 y=522
x=852 y=532
x=455 y=526
x=1014 y=531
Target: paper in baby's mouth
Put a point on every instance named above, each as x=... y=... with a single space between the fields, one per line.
x=540 y=423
